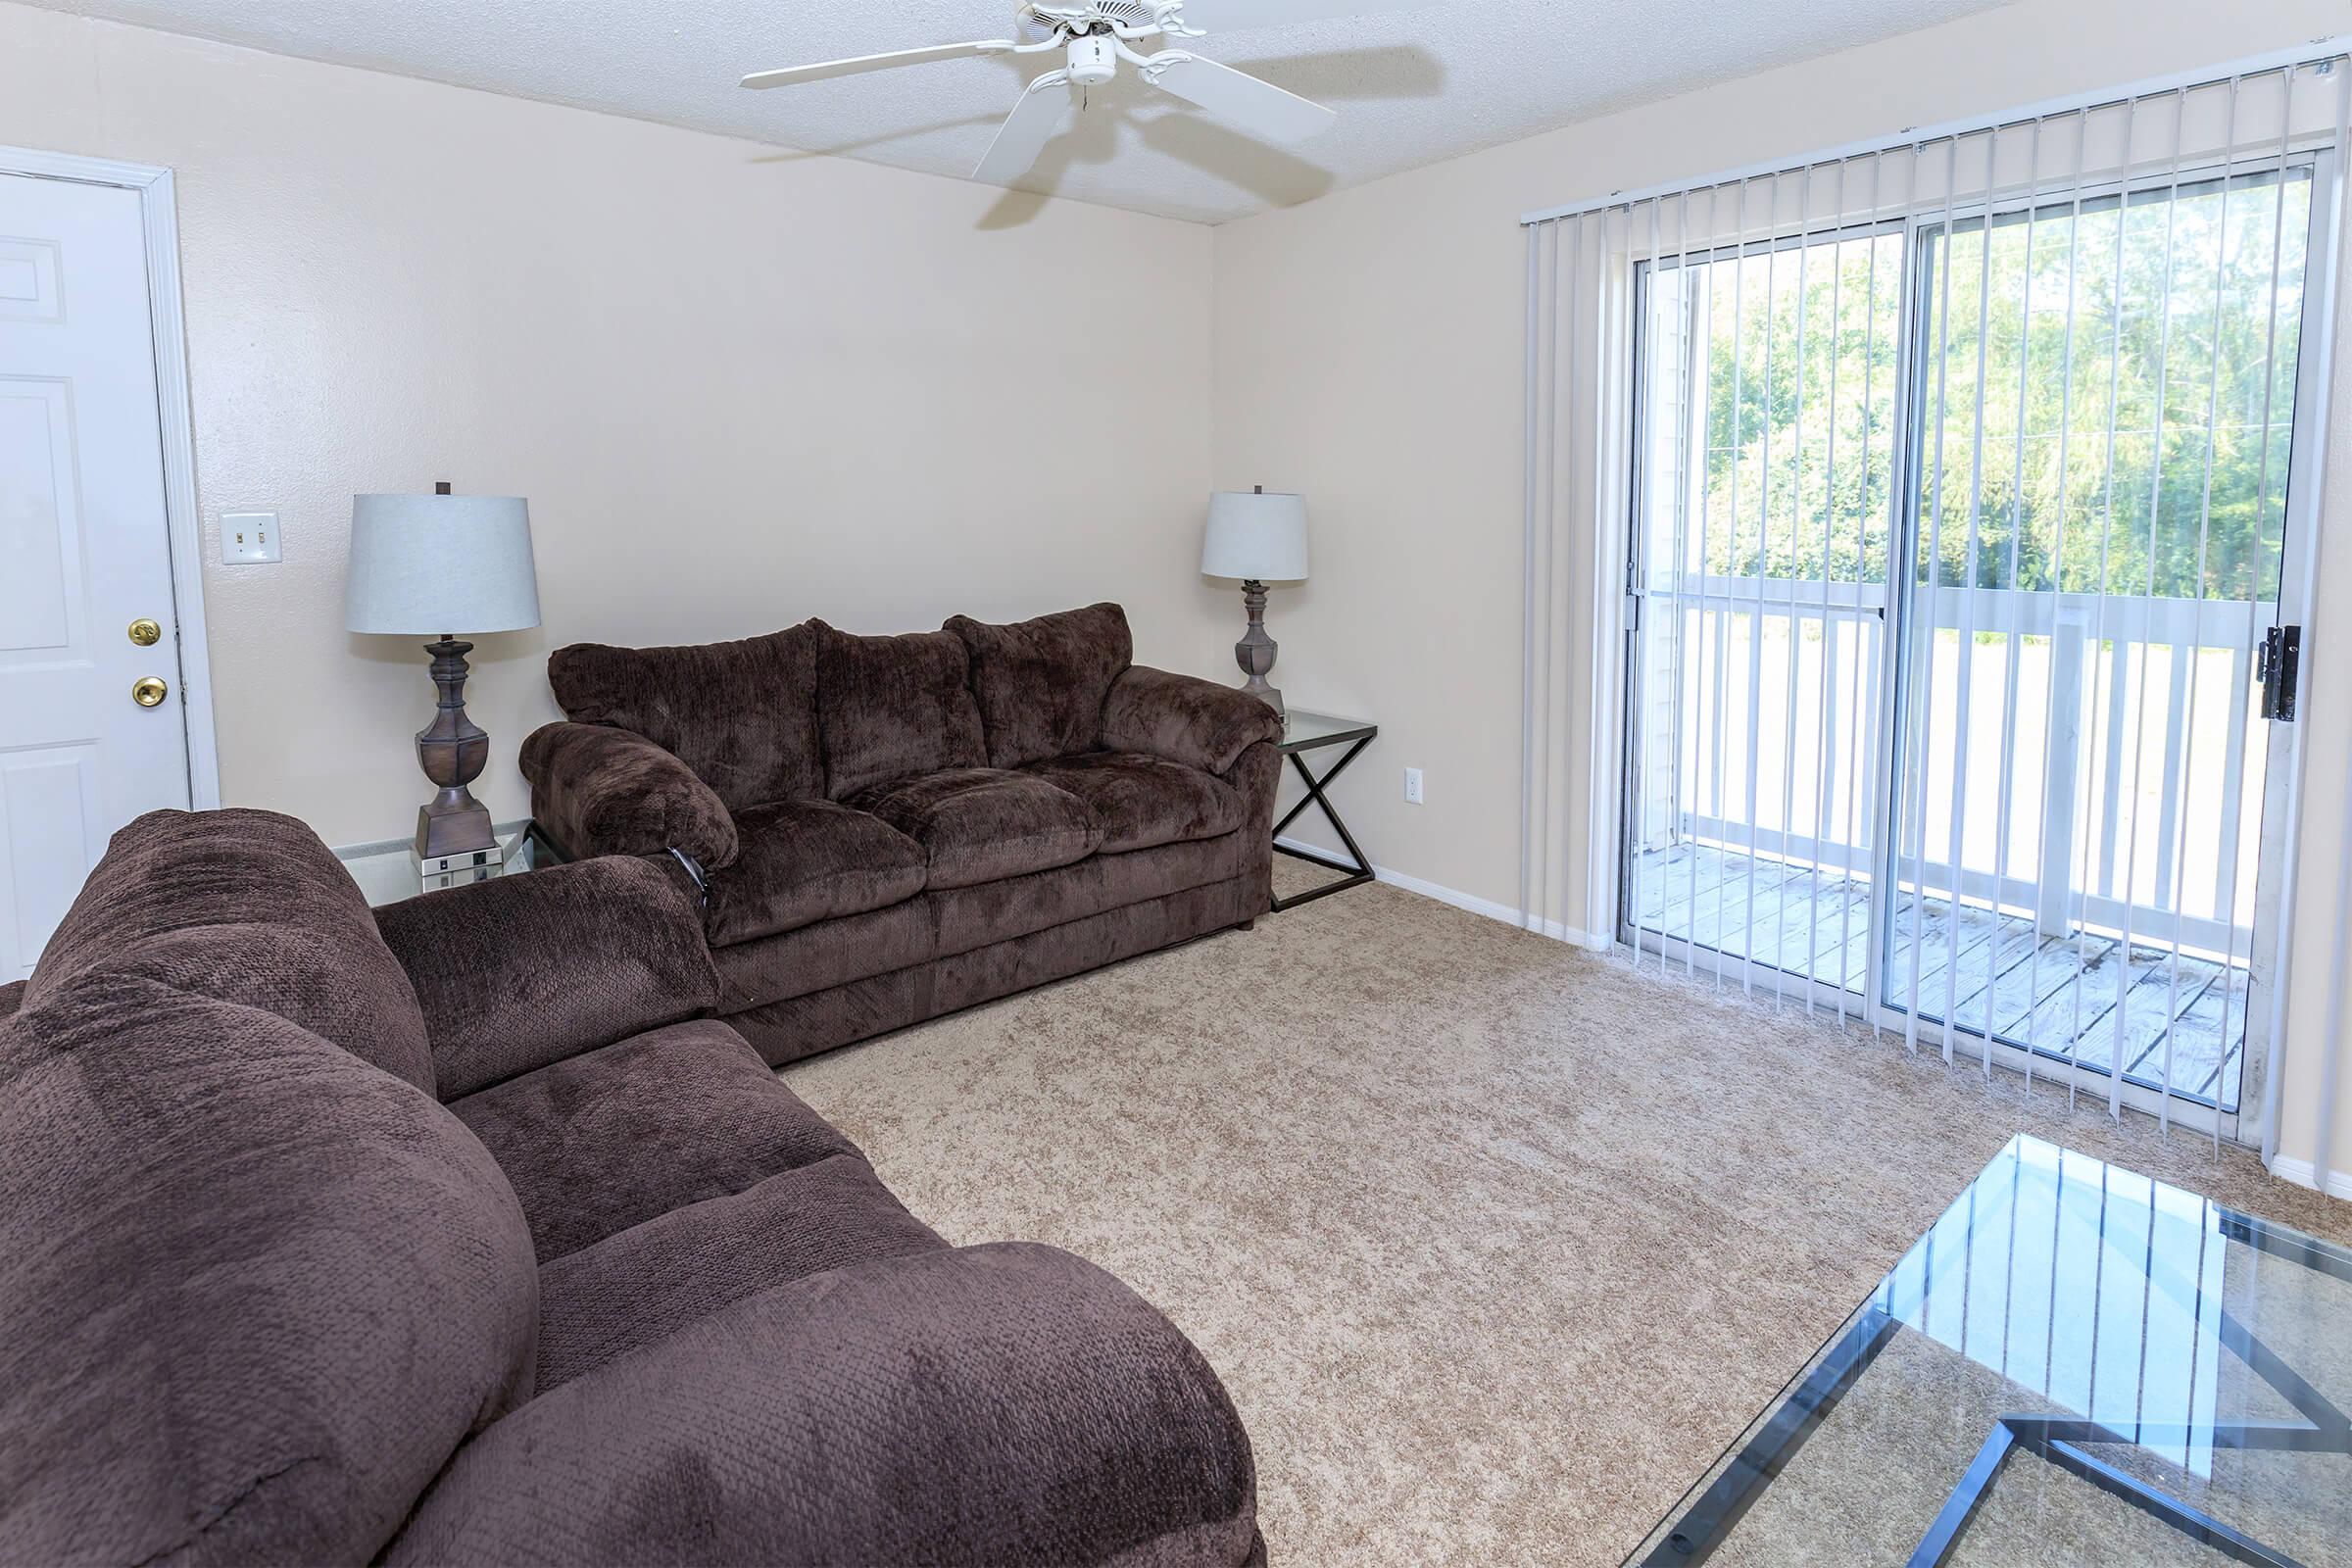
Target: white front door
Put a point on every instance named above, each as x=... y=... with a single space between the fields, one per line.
x=85 y=550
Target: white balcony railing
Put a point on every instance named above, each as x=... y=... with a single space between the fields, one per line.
x=2121 y=723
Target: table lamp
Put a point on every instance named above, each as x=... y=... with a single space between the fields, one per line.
x=437 y=565
x=1258 y=538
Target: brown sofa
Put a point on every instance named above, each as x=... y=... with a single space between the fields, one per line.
x=459 y=1235
x=891 y=828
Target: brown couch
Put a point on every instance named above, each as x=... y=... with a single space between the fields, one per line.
x=461 y=1235
x=891 y=828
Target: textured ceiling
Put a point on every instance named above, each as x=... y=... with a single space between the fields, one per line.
x=1411 y=89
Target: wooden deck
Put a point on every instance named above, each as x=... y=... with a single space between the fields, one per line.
x=1995 y=974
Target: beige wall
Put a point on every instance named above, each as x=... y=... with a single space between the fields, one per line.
x=738 y=386
x=1369 y=353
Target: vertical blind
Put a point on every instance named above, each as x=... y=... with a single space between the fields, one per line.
x=1905 y=535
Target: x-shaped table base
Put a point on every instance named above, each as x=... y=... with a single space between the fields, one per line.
x=1358 y=869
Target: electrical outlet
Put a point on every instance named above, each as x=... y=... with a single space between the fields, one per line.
x=248 y=538
x=1412 y=786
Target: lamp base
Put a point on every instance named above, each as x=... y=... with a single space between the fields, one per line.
x=459 y=828
x=1255 y=651
x=453 y=751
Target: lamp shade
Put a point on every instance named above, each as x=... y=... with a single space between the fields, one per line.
x=433 y=565
x=1254 y=536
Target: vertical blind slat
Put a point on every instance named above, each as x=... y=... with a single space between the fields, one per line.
x=2121 y=1033
x=2240 y=730
x=2177 y=785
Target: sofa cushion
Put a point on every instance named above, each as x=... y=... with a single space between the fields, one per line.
x=612 y=1139
x=940 y=924
x=1041 y=683
x=983 y=825
x=250 y=907
x=891 y=706
x=1143 y=800
x=802 y=862
x=651 y=1280
x=742 y=715
x=257 y=1292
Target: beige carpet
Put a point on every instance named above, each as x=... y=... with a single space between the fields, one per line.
x=1496 y=1243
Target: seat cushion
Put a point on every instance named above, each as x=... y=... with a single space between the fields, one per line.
x=248 y=907
x=891 y=708
x=1041 y=683
x=257 y=1292
x=1145 y=800
x=802 y=862
x=742 y=715
x=651 y=1280
x=983 y=825
x=609 y=1139
x=939 y=923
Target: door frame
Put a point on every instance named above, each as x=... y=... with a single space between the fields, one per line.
x=183 y=528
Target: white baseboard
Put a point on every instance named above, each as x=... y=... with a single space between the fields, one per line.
x=1493 y=910
x=2300 y=1172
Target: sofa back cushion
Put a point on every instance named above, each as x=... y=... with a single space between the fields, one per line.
x=742 y=715
x=1040 y=683
x=889 y=707
x=248 y=907
x=257 y=1292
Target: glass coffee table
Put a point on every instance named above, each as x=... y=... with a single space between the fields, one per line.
x=2076 y=1365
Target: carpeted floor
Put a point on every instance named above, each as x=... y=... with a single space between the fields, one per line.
x=1496 y=1243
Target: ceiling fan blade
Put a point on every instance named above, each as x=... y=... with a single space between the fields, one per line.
x=1240 y=100
x=1026 y=130
x=864 y=63
x=1232 y=16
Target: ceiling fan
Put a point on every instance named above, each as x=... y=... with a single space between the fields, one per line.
x=1093 y=37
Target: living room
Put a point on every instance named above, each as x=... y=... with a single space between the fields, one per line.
x=676 y=930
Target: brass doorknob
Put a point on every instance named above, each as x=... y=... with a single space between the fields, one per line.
x=149 y=690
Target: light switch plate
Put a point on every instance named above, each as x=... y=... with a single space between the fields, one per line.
x=248 y=538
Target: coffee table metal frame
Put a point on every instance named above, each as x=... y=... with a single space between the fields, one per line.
x=2062 y=1440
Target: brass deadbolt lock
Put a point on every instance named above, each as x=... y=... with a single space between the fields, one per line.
x=146 y=633
x=149 y=690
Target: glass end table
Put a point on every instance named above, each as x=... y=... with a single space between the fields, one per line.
x=2076 y=1364
x=1304 y=732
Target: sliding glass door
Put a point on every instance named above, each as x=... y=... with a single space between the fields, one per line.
x=2016 y=808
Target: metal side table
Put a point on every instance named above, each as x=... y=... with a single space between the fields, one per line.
x=1306 y=732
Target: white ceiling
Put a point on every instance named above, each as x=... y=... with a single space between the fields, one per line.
x=1411 y=89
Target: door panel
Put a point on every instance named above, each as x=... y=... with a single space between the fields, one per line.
x=1767 y=408
x=2105 y=420
x=83 y=535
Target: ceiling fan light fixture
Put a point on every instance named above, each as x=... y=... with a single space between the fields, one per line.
x=1094 y=60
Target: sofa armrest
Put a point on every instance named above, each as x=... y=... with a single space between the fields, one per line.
x=1006 y=1403
x=605 y=791
x=1184 y=719
x=528 y=969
